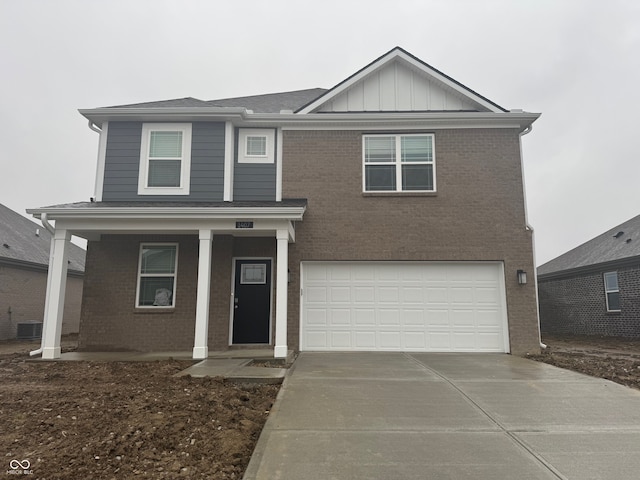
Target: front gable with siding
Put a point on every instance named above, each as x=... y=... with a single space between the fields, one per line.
x=260 y=197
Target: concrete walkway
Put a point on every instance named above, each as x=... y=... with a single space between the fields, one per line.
x=446 y=416
x=234 y=365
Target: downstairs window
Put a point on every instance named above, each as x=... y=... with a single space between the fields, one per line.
x=157 y=269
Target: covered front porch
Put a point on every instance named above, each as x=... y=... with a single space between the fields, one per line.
x=204 y=236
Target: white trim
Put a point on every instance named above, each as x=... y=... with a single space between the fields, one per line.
x=201 y=334
x=397 y=163
x=55 y=296
x=228 y=161
x=279 y=147
x=185 y=160
x=282 y=277
x=243 y=136
x=233 y=293
x=102 y=154
x=320 y=121
x=174 y=275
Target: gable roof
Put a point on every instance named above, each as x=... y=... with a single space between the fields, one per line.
x=425 y=88
x=25 y=243
x=615 y=246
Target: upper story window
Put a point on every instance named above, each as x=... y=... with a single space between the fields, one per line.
x=165 y=159
x=399 y=163
x=256 y=145
x=612 y=291
x=157 y=269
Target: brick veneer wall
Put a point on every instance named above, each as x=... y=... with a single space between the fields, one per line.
x=23 y=291
x=477 y=213
x=110 y=320
x=577 y=305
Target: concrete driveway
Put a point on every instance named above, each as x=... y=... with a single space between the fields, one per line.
x=446 y=416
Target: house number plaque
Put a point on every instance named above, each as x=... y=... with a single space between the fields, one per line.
x=244 y=224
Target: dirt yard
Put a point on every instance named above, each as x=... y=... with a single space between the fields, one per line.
x=615 y=359
x=79 y=420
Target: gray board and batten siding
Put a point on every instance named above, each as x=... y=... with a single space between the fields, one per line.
x=122 y=163
x=253 y=181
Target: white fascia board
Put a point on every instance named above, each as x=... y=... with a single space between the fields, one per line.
x=163 y=114
x=170 y=213
x=393 y=120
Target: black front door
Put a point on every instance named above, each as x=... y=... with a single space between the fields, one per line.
x=252 y=301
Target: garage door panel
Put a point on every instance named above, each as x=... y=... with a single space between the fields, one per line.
x=365 y=316
x=317 y=317
x=414 y=340
x=364 y=294
x=340 y=317
x=389 y=317
x=417 y=306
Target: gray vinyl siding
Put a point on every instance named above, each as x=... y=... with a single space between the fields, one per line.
x=122 y=163
x=253 y=181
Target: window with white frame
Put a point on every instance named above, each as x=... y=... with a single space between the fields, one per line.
x=157 y=269
x=612 y=291
x=256 y=145
x=399 y=163
x=165 y=159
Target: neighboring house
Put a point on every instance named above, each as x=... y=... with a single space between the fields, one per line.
x=594 y=289
x=386 y=213
x=24 y=259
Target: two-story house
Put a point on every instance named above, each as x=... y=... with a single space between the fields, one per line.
x=386 y=213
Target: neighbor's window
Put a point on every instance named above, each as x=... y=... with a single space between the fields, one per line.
x=399 y=163
x=256 y=145
x=165 y=159
x=611 y=291
x=157 y=275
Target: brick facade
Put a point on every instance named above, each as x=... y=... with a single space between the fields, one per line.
x=477 y=214
x=22 y=296
x=110 y=320
x=577 y=305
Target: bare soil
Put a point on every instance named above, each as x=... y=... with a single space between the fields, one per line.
x=80 y=420
x=613 y=358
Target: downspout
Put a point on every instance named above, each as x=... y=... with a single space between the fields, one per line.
x=533 y=235
x=51 y=230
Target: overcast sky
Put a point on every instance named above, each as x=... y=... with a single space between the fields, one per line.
x=575 y=61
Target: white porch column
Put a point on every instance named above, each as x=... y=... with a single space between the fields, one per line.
x=56 y=287
x=282 y=281
x=200 y=343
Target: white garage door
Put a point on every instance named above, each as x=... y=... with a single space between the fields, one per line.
x=408 y=306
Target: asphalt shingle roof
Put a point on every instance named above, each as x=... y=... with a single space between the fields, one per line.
x=269 y=103
x=619 y=243
x=19 y=242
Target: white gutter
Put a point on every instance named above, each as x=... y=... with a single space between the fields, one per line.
x=244 y=117
x=51 y=230
x=533 y=236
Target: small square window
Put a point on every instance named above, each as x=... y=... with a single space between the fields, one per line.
x=256 y=145
x=253 y=274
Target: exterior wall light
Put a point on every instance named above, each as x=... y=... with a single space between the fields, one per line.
x=522 y=277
